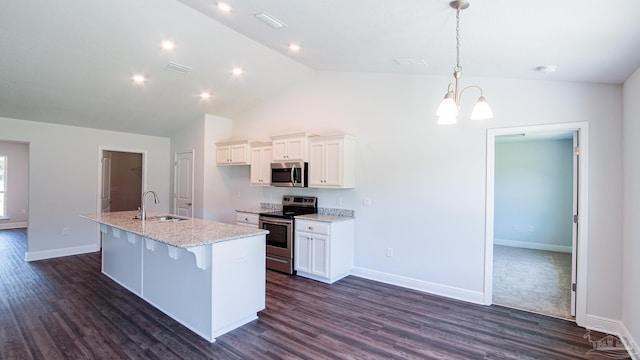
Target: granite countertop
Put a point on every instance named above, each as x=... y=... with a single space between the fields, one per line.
x=184 y=233
x=253 y=211
x=324 y=217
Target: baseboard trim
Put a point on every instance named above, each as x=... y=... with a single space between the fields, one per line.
x=420 y=285
x=49 y=254
x=15 y=225
x=630 y=343
x=617 y=328
x=535 y=246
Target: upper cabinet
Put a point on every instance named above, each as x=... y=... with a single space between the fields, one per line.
x=261 y=163
x=292 y=147
x=233 y=153
x=332 y=161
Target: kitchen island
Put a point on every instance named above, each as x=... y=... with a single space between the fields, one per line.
x=209 y=276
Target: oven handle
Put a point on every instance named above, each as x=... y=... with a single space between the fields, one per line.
x=275 y=221
x=293 y=170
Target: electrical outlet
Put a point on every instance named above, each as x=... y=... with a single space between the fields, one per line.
x=366 y=201
x=389 y=252
x=339 y=200
x=23 y=211
x=65 y=231
x=241 y=258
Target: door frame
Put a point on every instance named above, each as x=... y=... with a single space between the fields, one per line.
x=101 y=150
x=582 y=129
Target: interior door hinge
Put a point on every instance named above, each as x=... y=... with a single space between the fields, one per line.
x=576 y=150
x=573 y=287
x=575 y=218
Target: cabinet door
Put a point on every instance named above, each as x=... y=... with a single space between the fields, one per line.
x=320 y=255
x=239 y=154
x=333 y=163
x=266 y=166
x=279 y=150
x=316 y=164
x=302 y=249
x=223 y=154
x=256 y=166
x=295 y=149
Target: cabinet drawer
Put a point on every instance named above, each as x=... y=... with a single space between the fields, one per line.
x=317 y=227
x=247 y=218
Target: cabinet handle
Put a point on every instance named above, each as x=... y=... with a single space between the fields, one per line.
x=310 y=227
x=246 y=219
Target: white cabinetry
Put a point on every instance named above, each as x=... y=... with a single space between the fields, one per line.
x=247 y=219
x=261 y=164
x=332 y=161
x=233 y=153
x=324 y=250
x=292 y=147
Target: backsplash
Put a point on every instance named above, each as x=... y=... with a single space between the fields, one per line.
x=336 y=212
x=321 y=211
x=270 y=206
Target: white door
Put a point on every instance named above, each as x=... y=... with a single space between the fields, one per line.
x=105 y=193
x=183 y=191
x=576 y=219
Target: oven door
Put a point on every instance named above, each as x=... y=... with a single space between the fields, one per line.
x=280 y=237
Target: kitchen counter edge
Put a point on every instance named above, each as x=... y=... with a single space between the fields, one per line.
x=186 y=233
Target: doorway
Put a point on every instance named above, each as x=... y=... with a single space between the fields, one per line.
x=183 y=184
x=533 y=226
x=578 y=229
x=121 y=188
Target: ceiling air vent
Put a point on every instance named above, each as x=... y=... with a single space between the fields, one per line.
x=269 y=20
x=178 y=68
x=410 y=61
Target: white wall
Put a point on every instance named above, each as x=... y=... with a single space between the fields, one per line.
x=427 y=182
x=63 y=180
x=534 y=194
x=213 y=185
x=631 y=247
x=17 y=199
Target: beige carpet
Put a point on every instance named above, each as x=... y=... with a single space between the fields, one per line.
x=532 y=280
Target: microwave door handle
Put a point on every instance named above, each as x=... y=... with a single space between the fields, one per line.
x=293 y=170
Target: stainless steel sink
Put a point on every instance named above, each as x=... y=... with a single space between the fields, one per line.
x=162 y=218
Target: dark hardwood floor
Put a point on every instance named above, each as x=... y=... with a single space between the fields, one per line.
x=66 y=309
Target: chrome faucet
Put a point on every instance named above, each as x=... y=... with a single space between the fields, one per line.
x=143 y=210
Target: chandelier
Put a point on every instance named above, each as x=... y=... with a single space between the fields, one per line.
x=448 y=110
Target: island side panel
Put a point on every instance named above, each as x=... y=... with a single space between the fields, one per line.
x=238 y=282
x=177 y=286
x=122 y=258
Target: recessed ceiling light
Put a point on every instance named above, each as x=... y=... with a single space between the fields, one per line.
x=168 y=45
x=224 y=7
x=294 y=47
x=138 y=79
x=269 y=20
x=205 y=95
x=236 y=71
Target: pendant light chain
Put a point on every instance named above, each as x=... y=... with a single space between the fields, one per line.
x=458 y=67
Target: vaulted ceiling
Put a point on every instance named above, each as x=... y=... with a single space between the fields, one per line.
x=71 y=61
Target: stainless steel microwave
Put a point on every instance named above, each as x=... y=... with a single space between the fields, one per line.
x=289 y=174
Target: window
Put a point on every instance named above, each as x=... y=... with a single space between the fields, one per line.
x=3 y=185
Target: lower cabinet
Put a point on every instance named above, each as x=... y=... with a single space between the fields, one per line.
x=324 y=250
x=247 y=219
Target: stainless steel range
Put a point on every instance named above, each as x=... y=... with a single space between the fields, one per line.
x=281 y=226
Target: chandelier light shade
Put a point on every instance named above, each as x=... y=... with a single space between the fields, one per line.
x=447 y=112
